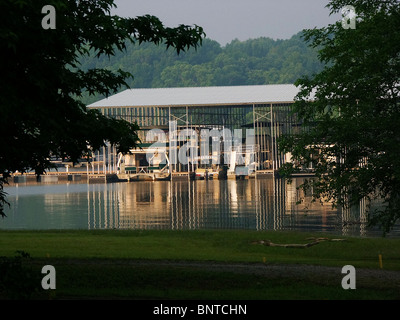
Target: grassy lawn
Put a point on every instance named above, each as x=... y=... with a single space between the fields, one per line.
x=103 y=264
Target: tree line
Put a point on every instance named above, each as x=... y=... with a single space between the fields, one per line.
x=251 y=62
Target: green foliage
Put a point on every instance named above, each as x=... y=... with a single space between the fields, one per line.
x=3 y=196
x=252 y=62
x=18 y=279
x=351 y=110
x=41 y=113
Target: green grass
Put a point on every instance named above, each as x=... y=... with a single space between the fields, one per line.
x=235 y=246
x=193 y=283
x=95 y=263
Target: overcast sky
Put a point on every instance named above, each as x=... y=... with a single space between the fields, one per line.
x=225 y=20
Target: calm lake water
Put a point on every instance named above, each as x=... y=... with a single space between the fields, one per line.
x=256 y=204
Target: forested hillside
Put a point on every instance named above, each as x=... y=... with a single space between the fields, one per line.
x=251 y=62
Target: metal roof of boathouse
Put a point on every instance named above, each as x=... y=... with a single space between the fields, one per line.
x=200 y=96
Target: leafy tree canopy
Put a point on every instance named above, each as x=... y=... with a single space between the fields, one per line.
x=351 y=109
x=40 y=115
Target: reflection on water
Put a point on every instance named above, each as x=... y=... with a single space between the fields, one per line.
x=257 y=204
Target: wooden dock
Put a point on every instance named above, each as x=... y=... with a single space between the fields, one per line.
x=56 y=177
